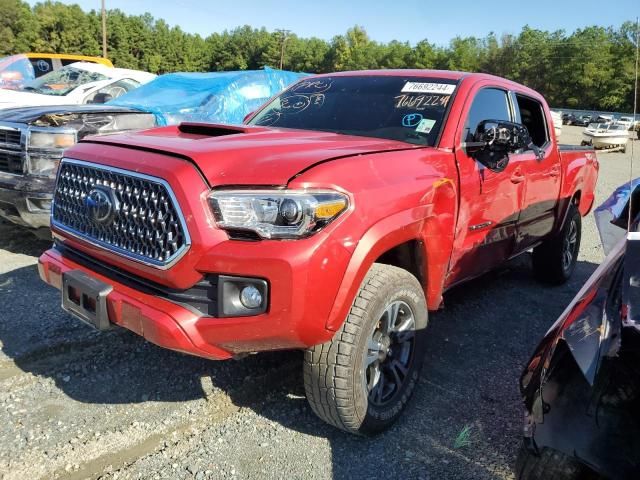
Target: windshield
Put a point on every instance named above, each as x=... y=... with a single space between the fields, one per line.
x=408 y=109
x=62 y=81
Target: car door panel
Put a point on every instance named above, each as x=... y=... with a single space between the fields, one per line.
x=490 y=207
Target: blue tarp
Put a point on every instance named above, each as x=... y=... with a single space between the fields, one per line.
x=217 y=97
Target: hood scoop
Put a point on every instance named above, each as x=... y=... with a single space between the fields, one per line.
x=213 y=129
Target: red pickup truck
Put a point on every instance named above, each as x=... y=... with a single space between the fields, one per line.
x=332 y=221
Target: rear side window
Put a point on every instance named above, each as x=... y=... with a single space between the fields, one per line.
x=488 y=104
x=532 y=116
x=15 y=72
x=41 y=66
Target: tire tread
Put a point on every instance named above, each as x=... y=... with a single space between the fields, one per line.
x=326 y=371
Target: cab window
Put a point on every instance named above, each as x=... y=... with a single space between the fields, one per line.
x=532 y=116
x=42 y=66
x=488 y=104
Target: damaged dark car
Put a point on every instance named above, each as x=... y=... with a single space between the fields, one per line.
x=581 y=388
x=32 y=141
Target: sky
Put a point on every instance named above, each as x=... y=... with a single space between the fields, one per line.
x=404 y=20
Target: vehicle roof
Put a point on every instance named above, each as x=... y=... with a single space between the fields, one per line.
x=67 y=56
x=111 y=72
x=443 y=74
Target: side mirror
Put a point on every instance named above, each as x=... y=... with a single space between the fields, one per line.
x=494 y=140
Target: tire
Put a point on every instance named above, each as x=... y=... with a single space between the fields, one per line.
x=362 y=379
x=555 y=259
x=550 y=464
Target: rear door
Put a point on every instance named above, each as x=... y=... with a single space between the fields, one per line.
x=542 y=185
x=490 y=201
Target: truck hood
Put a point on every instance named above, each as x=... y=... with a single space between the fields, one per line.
x=247 y=155
x=29 y=115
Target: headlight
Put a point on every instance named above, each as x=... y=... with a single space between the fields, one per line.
x=43 y=166
x=277 y=213
x=51 y=140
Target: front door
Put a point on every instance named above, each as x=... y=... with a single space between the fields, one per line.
x=490 y=201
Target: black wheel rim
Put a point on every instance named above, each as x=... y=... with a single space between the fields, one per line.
x=570 y=246
x=389 y=353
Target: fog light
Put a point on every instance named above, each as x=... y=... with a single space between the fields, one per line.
x=251 y=297
x=242 y=296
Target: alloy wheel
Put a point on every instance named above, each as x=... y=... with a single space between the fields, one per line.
x=389 y=353
x=570 y=243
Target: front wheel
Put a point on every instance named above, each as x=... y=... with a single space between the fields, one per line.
x=361 y=380
x=555 y=259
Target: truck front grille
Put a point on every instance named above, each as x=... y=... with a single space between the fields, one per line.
x=11 y=163
x=127 y=212
x=10 y=137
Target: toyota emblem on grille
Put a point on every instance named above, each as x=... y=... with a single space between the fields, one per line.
x=101 y=205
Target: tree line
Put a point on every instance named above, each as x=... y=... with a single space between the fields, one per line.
x=590 y=68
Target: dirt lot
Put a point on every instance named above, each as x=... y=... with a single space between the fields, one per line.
x=78 y=404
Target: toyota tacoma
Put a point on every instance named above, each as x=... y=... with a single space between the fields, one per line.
x=332 y=221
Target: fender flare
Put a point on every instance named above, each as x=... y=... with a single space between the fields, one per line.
x=432 y=225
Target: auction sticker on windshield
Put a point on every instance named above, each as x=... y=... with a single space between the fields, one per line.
x=421 y=87
x=425 y=125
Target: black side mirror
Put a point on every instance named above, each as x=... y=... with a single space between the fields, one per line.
x=494 y=140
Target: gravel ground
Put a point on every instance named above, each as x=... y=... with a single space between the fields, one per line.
x=75 y=403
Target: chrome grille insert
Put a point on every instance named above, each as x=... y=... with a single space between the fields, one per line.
x=11 y=163
x=10 y=137
x=130 y=213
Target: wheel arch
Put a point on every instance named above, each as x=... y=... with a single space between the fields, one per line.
x=399 y=240
x=577 y=200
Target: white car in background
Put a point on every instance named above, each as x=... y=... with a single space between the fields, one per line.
x=77 y=83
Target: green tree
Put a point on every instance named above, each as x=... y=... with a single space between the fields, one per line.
x=590 y=68
x=18 y=27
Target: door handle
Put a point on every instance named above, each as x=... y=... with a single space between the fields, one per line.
x=517 y=177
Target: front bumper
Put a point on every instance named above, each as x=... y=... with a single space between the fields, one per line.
x=295 y=317
x=26 y=200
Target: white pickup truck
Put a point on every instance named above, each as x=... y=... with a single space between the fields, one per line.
x=77 y=83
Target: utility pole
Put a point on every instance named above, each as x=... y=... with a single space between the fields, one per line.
x=284 y=36
x=104 y=31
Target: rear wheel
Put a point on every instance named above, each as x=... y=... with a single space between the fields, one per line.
x=550 y=464
x=361 y=380
x=555 y=260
